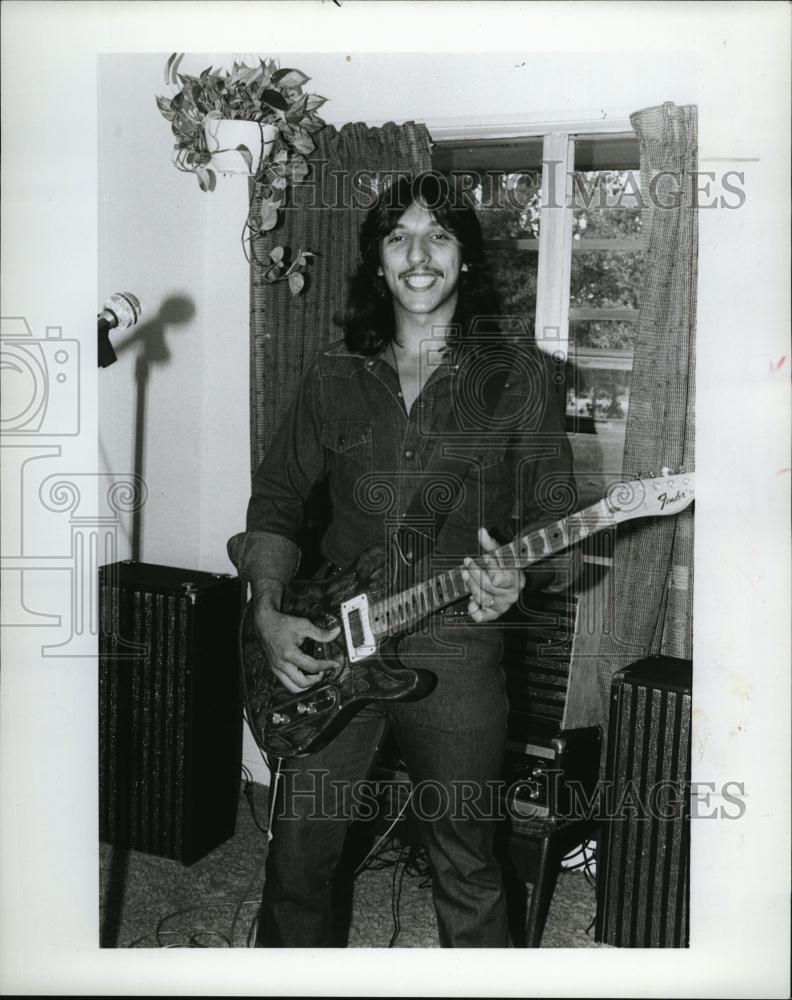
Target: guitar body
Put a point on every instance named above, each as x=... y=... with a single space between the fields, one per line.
x=289 y=725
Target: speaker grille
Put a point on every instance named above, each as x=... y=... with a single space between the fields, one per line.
x=537 y=653
x=169 y=709
x=643 y=883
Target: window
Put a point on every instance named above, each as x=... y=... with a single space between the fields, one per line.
x=562 y=222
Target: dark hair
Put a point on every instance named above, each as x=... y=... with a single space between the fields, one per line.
x=368 y=322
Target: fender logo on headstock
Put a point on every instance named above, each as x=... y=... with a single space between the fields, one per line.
x=665 y=500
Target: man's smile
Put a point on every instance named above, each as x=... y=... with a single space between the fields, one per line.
x=420 y=280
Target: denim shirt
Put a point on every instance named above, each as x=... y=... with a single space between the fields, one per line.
x=348 y=421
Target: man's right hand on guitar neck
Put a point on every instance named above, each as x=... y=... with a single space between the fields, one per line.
x=281 y=636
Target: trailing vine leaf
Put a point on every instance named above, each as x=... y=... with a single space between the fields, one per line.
x=290 y=78
x=168 y=65
x=269 y=215
x=301 y=141
x=276 y=254
x=312 y=122
x=275 y=100
x=298 y=169
x=297 y=109
x=314 y=101
x=247 y=74
x=247 y=156
x=175 y=67
x=206 y=179
x=296 y=282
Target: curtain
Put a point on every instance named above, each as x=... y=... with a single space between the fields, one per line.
x=652 y=575
x=324 y=217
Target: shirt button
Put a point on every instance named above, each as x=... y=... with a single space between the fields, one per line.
x=369 y=364
x=409 y=454
x=399 y=394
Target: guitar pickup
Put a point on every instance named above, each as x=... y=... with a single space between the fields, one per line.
x=358 y=633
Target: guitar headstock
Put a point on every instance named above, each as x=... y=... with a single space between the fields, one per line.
x=668 y=493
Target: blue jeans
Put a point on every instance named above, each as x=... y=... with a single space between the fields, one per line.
x=453 y=743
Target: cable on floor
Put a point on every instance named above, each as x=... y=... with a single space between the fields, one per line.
x=398 y=876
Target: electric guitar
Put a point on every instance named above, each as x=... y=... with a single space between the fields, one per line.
x=373 y=620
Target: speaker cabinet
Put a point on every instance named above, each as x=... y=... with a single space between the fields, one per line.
x=643 y=862
x=170 y=717
x=538 y=639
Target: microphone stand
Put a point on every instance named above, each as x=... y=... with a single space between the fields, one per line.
x=118 y=876
x=142 y=370
x=151 y=337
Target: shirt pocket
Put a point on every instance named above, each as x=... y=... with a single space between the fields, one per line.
x=348 y=445
x=488 y=487
x=492 y=469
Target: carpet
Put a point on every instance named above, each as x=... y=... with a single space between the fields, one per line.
x=153 y=902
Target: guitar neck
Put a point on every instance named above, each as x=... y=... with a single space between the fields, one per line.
x=408 y=607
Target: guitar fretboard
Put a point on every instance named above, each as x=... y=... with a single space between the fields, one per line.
x=408 y=607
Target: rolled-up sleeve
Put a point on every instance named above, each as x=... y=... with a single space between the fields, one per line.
x=281 y=484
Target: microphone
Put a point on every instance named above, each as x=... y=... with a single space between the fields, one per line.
x=121 y=311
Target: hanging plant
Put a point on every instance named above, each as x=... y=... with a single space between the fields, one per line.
x=254 y=120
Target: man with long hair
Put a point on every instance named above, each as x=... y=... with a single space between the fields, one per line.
x=421 y=314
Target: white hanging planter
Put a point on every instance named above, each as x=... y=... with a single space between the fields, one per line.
x=224 y=135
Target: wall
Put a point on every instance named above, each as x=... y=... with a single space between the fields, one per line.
x=178 y=249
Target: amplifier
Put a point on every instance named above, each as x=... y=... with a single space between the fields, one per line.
x=170 y=716
x=544 y=759
x=555 y=781
x=538 y=637
x=643 y=862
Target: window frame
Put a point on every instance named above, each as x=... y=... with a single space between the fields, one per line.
x=554 y=246
x=555 y=243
